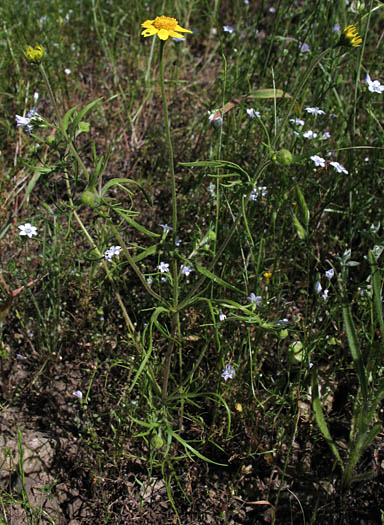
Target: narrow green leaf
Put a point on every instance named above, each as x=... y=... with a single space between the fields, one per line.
x=194 y=451
x=354 y=347
x=300 y=230
x=303 y=208
x=320 y=420
x=217 y=279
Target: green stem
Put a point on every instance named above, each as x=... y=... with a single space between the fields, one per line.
x=176 y=331
x=60 y=122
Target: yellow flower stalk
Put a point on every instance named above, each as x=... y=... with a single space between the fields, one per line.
x=350 y=37
x=35 y=54
x=164 y=27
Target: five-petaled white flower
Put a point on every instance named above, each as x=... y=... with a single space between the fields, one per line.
x=297 y=121
x=315 y=111
x=309 y=134
x=329 y=273
x=319 y=161
x=28 y=229
x=163 y=267
x=166 y=228
x=374 y=86
x=111 y=252
x=252 y=113
x=260 y=191
x=256 y=299
x=228 y=372
x=338 y=167
x=186 y=269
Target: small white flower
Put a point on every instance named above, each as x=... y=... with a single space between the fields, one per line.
x=35 y=97
x=282 y=322
x=319 y=161
x=166 y=228
x=67 y=71
x=366 y=159
x=78 y=393
x=297 y=121
x=186 y=269
x=330 y=273
x=338 y=167
x=229 y=29
x=252 y=113
x=22 y=121
x=309 y=134
x=315 y=111
x=177 y=241
x=163 y=267
x=304 y=48
x=318 y=287
x=222 y=316
x=111 y=252
x=212 y=189
x=260 y=191
x=256 y=299
x=272 y=9
x=326 y=135
x=374 y=86
x=336 y=27
x=228 y=372
x=28 y=229
x=324 y=295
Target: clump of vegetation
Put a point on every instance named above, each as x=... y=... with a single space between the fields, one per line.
x=191 y=276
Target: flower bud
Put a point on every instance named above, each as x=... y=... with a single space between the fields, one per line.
x=91 y=199
x=283 y=157
x=157 y=441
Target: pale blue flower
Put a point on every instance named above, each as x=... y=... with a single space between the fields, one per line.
x=315 y=111
x=330 y=273
x=319 y=161
x=336 y=27
x=297 y=121
x=111 y=252
x=260 y=191
x=186 y=269
x=374 y=86
x=28 y=230
x=252 y=113
x=304 y=48
x=324 y=295
x=228 y=372
x=338 y=167
x=78 y=393
x=229 y=29
x=256 y=299
x=166 y=228
x=318 y=287
x=309 y=134
x=163 y=267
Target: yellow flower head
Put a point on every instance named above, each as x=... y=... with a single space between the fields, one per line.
x=164 y=27
x=268 y=276
x=350 y=37
x=35 y=54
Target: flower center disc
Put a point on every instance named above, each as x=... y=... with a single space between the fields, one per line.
x=165 y=22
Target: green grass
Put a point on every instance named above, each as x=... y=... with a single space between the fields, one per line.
x=147 y=349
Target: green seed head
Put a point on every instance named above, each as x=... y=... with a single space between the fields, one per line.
x=90 y=198
x=283 y=157
x=157 y=441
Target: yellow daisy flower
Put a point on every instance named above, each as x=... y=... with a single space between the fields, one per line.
x=164 y=27
x=350 y=37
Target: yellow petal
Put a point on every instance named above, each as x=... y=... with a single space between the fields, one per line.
x=147 y=23
x=178 y=28
x=149 y=32
x=163 y=34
